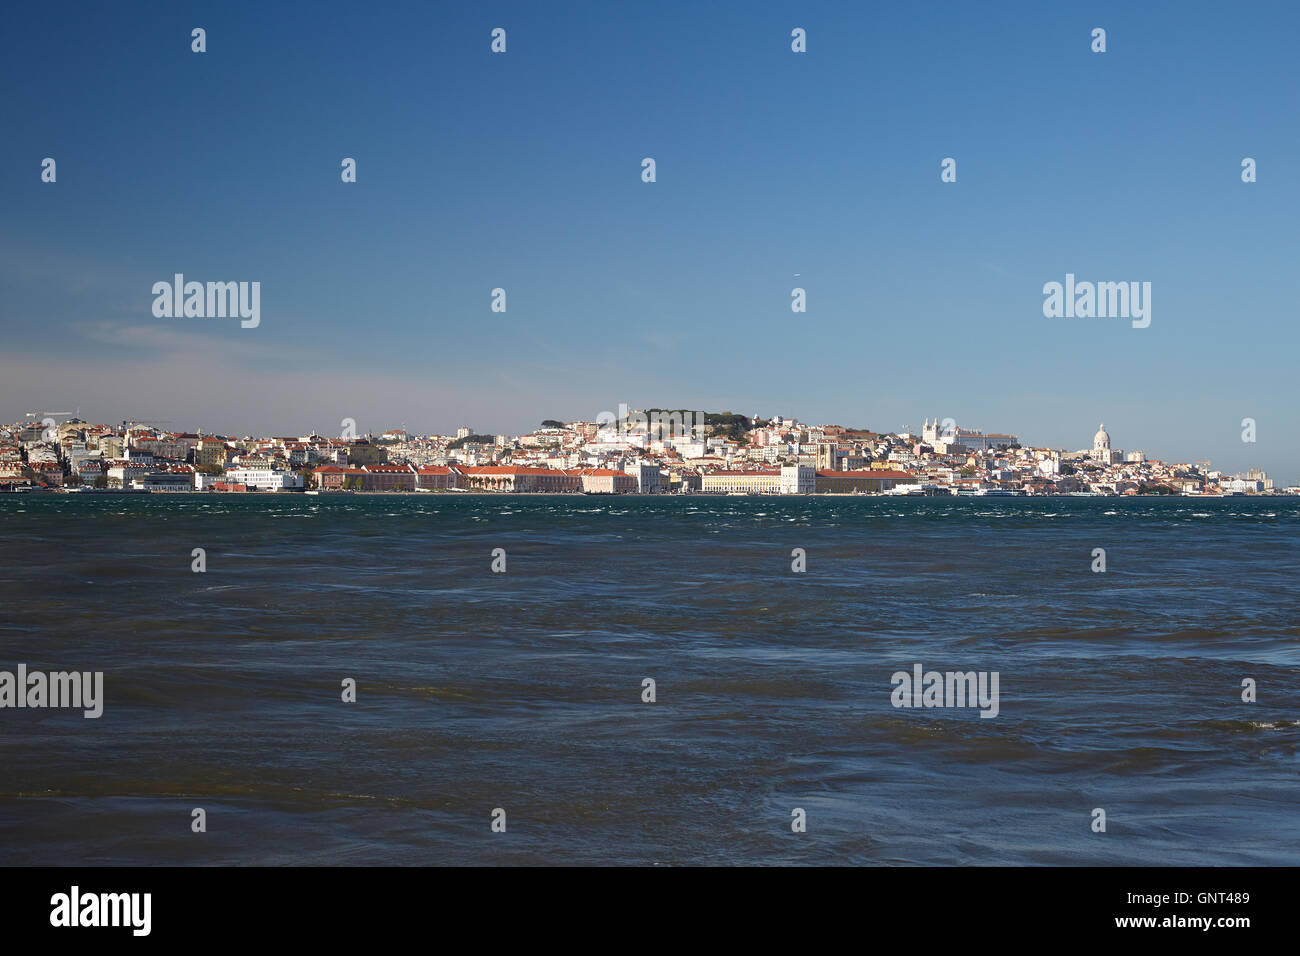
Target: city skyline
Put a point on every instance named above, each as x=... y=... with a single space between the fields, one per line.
x=640 y=451
x=388 y=424
x=776 y=170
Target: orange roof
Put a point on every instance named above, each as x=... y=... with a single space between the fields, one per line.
x=513 y=470
x=864 y=474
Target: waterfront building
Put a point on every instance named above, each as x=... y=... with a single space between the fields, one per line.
x=338 y=477
x=647 y=477
x=521 y=479
x=742 y=482
x=607 y=481
x=264 y=478
x=388 y=478
x=860 y=482
x=436 y=477
x=180 y=478
x=121 y=473
x=798 y=480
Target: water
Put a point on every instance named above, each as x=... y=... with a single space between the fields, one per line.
x=522 y=690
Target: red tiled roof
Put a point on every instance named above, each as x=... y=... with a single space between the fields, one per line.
x=864 y=474
x=513 y=470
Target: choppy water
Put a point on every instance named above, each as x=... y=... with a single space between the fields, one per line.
x=522 y=690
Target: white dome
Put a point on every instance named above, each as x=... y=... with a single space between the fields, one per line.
x=1101 y=439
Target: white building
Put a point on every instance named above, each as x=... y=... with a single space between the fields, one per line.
x=1242 y=485
x=689 y=449
x=648 y=479
x=265 y=479
x=122 y=473
x=798 y=480
x=182 y=480
x=1254 y=474
x=943 y=438
x=1102 y=453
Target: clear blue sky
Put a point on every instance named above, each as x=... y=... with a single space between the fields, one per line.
x=522 y=171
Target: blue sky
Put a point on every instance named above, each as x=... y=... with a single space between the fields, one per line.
x=522 y=171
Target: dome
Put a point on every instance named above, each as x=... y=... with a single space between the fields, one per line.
x=1101 y=439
